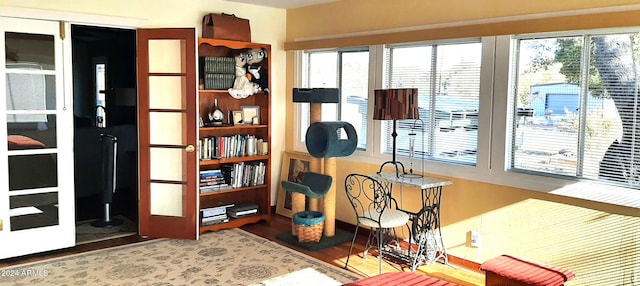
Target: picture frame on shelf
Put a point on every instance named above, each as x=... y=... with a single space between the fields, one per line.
x=250 y=112
x=237 y=117
x=294 y=164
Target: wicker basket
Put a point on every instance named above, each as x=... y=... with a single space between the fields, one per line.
x=309 y=225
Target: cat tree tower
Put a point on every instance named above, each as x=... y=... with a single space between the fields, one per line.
x=324 y=145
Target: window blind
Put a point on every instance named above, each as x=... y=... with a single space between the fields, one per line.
x=348 y=70
x=447 y=77
x=576 y=107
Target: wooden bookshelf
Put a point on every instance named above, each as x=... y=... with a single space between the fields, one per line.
x=259 y=194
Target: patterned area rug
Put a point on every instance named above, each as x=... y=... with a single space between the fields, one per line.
x=227 y=257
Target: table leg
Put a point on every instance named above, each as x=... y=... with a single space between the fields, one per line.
x=426 y=229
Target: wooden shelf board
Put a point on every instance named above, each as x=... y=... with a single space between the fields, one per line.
x=224 y=91
x=236 y=222
x=233 y=127
x=242 y=189
x=213 y=162
x=230 y=44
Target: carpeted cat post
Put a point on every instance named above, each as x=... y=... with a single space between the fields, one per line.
x=323 y=142
x=324 y=145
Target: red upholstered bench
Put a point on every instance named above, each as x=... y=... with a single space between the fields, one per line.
x=507 y=270
x=400 y=279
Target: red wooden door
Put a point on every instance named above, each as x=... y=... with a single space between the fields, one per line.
x=167 y=115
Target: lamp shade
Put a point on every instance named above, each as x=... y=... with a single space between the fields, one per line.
x=396 y=104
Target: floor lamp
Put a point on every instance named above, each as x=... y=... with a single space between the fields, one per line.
x=395 y=104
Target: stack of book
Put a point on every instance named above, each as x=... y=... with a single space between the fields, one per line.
x=214 y=215
x=242 y=210
x=219 y=72
x=244 y=174
x=212 y=181
x=217 y=147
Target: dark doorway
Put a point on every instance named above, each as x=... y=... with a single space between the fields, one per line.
x=105 y=103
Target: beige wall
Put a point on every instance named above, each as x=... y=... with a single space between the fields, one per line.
x=589 y=238
x=600 y=242
x=353 y=16
x=267 y=26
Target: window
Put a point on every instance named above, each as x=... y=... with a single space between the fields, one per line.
x=529 y=111
x=349 y=71
x=447 y=77
x=576 y=107
x=100 y=87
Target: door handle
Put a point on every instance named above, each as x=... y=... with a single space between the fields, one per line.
x=190 y=148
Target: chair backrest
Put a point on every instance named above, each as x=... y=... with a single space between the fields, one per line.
x=368 y=196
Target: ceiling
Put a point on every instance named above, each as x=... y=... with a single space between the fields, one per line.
x=284 y=4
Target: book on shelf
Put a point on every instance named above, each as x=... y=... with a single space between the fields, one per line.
x=210 y=173
x=243 y=207
x=219 y=65
x=213 y=222
x=243 y=213
x=240 y=210
x=263 y=147
x=214 y=218
x=219 y=81
x=212 y=181
x=217 y=147
x=244 y=174
x=223 y=206
x=215 y=210
x=214 y=188
x=212 y=213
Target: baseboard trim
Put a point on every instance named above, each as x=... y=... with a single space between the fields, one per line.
x=466 y=264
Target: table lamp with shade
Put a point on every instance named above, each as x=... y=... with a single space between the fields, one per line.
x=395 y=104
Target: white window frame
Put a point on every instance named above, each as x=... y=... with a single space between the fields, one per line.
x=502 y=116
x=427 y=134
x=374 y=151
x=494 y=119
x=301 y=110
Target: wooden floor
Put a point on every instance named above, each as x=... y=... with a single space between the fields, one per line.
x=335 y=255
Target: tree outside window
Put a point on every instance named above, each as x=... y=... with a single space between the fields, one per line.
x=583 y=93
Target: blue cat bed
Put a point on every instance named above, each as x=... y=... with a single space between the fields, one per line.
x=313 y=185
x=323 y=142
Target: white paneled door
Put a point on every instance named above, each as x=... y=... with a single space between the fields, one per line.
x=36 y=153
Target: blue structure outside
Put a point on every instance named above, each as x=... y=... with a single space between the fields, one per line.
x=554 y=98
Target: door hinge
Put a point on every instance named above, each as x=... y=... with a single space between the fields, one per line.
x=62 y=30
